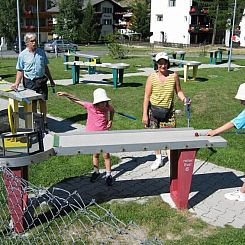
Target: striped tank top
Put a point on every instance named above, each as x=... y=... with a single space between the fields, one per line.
x=162 y=93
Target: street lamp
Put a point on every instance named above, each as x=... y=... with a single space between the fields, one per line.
x=232 y=33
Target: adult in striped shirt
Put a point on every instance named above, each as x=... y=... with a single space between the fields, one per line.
x=158 y=105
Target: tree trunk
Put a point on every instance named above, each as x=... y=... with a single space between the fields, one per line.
x=215 y=23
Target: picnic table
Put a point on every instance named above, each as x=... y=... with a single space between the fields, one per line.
x=187 y=65
x=217 y=55
x=117 y=70
x=78 y=55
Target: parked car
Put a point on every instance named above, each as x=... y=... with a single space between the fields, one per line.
x=62 y=45
x=16 y=46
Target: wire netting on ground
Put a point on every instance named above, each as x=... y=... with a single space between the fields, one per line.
x=32 y=215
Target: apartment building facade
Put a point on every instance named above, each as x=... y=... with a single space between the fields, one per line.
x=182 y=22
x=36 y=18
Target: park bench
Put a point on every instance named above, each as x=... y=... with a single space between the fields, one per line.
x=117 y=70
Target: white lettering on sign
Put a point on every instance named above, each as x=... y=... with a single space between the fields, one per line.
x=187 y=164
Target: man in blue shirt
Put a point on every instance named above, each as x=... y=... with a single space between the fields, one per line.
x=239 y=123
x=32 y=66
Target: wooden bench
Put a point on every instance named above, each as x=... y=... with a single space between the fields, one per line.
x=117 y=70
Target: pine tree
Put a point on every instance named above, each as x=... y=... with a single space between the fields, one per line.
x=90 y=29
x=141 y=17
x=69 y=20
x=8 y=20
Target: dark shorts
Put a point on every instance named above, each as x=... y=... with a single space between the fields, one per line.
x=169 y=122
x=31 y=84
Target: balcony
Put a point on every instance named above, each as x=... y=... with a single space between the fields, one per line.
x=199 y=29
x=198 y=11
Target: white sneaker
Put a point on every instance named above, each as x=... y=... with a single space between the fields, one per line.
x=235 y=196
x=157 y=164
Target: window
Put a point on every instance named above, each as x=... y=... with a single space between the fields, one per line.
x=107 y=10
x=107 y=22
x=159 y=17
x=172 y=3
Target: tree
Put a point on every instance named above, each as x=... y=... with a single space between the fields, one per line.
x=141 y=17
x=90 y=29
x=220 y=11
x=8 y=20
x=69 y=20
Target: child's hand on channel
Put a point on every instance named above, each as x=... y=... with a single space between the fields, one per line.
x=61 y=93
x=109 y=124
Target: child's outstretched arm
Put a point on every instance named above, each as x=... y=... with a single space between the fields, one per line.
x=71 y=97
x=221 y=129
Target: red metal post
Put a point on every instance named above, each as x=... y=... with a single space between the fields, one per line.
x=17 y=196
x=181 y=169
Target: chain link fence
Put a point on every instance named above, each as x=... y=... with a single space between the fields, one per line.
x=32 y=215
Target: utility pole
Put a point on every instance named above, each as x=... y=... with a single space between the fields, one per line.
x=232 y=33
x=18 y=20
x=37 y=23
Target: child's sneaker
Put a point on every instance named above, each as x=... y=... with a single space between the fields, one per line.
x=108 y=180
x=157 y=164
x=235 y=196
x=94 y=176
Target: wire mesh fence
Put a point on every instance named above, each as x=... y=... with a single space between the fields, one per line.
x=32 y=215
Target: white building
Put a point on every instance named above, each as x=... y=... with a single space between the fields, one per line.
x=170 y=20
x=177 y=21
x=242 y=29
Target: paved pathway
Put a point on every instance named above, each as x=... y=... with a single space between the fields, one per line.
x=136 y=181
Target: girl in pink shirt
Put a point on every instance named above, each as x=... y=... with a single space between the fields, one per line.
x=100 y=116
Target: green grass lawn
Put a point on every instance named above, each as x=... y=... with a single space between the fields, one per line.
x=213 y=104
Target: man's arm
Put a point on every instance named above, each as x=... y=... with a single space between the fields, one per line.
x=19 y=76
x=48 y=74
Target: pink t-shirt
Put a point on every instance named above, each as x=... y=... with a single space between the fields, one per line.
x=97 y=120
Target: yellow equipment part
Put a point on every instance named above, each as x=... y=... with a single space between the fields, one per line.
x=15 y=142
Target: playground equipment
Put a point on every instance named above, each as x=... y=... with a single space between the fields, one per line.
x=34 y=148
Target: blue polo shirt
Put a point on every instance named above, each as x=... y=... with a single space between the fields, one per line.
x=239 y=121
x=33 y=64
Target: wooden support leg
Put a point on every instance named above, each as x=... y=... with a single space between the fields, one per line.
x=13 y=110
x=186 y=68
x=181 y=170
x=17 y=196
x=75 y=73
x=28 y=116
x=195 y=68
x=115 y=77
x=120 y=76
x=66 y=59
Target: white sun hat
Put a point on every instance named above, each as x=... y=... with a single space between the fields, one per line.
x=161 y=55
x=241 y=92
x=100 y=96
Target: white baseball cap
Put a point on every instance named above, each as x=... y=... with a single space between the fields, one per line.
x=161 y=55
x=241 y=92
x=100 y=96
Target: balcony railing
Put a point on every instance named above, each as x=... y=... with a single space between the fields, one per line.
x=198 y=11
x=199 y=28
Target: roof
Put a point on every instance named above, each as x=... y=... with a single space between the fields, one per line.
x=94 y=2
